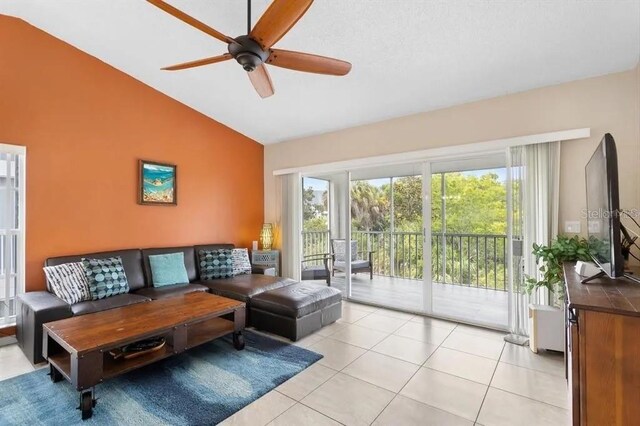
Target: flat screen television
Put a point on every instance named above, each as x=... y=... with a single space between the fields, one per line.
x=603 y=209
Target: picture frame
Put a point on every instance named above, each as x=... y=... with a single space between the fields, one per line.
x=157 y=183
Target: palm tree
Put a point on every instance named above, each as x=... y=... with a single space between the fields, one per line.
x=369 y=207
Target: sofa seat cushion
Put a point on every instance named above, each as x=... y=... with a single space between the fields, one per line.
x=118 y=301
x=244 y=287
x=297 y=300
x=356 y=264
x=165 y=291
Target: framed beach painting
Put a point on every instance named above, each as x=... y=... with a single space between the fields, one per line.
x=158 y=183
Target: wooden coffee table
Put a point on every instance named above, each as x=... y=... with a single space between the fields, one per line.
x=78 y=348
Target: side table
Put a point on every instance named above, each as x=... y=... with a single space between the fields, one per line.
x=268 y=258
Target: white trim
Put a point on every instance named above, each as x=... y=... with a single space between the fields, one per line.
x=14 y=184
x=347 y=237
x=13 y=149
x=427 y=281
x=22 y=237
x=510 y=317
x=497 y=145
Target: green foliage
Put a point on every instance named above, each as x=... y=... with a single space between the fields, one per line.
x=562 y=249
x=314 y=215
x=407 y=198
x=475 y=204
x=370 y=206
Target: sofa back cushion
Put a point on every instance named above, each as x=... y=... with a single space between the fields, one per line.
x=189 y=261
x=131 y=261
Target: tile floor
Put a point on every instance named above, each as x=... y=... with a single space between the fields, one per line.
x=383 y=367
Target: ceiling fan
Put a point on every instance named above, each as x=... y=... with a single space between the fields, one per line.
x=254 y=50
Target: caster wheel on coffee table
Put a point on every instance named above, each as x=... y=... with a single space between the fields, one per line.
x=87 y=402
x=238 y=340
x=55 y=375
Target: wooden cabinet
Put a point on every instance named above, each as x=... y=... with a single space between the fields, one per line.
x=603 y=350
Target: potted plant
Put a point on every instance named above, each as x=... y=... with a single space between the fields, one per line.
x=551 y=257
x=546 y=328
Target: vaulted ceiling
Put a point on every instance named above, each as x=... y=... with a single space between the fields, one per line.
x=408 y=56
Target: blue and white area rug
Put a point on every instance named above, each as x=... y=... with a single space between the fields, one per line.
x=202 y=386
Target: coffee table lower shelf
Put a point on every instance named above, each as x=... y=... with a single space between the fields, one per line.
x=88 y=368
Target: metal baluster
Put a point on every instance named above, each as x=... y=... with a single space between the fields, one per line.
x=477 y=261
x=468 y=259
x=495 y=271
x=486 y=279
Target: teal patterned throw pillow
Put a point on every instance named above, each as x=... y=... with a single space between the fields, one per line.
x=106 y=277
x=216 y=264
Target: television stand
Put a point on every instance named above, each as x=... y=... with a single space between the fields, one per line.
x=592 y=277
x=632 y=277
x=603 y=274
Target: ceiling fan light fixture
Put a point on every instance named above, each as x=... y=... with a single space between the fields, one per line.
x=248 y=53
x=249 y=61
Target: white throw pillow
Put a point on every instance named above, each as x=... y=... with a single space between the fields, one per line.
x=241 y=263
x=68 y=281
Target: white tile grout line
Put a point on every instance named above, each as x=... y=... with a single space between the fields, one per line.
x=413 y=375
x=341 y=371
x=489 y=385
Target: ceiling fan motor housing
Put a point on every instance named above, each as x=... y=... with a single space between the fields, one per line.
x=248 y=53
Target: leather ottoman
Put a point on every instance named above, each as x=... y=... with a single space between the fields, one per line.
x=296 y=310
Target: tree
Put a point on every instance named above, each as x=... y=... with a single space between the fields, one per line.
x=369 y=207
x=475 y=204
x=314 y=214
x=407 y=203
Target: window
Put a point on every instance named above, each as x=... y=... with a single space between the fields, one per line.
x=12 y=232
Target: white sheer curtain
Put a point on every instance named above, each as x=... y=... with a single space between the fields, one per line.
x=290 y=226
x=534 y=186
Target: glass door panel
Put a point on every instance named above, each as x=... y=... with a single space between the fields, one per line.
x=325 y=209
x=315 y=219
x=469 y=242
x=387 y=231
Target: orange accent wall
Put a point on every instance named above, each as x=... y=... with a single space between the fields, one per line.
x=85 y=125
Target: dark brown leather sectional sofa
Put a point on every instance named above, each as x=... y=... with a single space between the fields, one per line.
x=279 y=305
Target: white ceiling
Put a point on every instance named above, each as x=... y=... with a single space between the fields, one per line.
x=408 y=56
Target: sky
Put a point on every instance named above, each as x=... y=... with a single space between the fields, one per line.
x=321 y=185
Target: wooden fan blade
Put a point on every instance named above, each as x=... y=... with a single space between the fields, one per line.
x=199 y=62
x=277 y=20
x=190 y=20
x=261 y=81
x=307 y=62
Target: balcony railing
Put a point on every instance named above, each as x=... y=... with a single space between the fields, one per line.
x=473 y=260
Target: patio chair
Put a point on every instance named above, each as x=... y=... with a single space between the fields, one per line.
x=358 y=264
x=312 y=271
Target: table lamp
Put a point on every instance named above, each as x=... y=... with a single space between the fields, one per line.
x=266 y=236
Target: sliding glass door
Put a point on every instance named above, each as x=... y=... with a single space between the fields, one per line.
x=387 y=234
x=469 y=262
x=428 y=237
